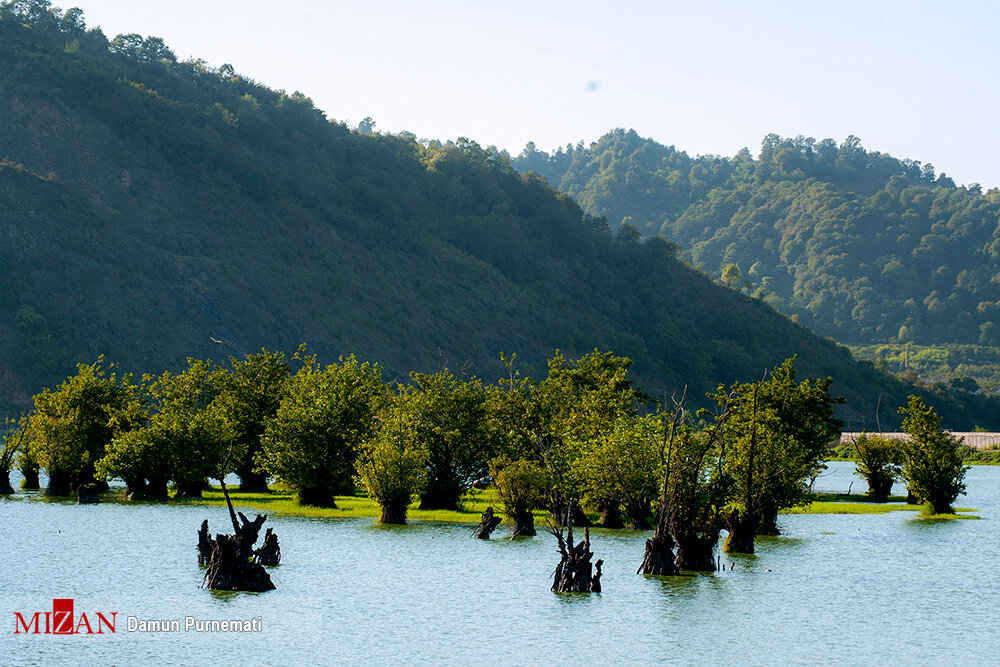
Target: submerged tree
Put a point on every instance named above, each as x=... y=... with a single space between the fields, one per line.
x=520 y=485
x=575 y=572
x=312 y=442
x=72 y=426
x=391 y=466
x=576 y=404
x=880 y=462
x=776 y=434
x=14 y=437
x=934 y=467
x=448 y=418
x=250 y=396
x=619 y=471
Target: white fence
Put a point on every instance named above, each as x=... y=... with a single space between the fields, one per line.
x=976 y=439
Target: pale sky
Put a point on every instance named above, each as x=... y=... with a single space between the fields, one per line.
x=914 y=79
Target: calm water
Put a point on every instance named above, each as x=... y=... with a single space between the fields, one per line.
x=872 y=590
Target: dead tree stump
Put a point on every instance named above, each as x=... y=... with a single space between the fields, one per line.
x=270 y=553
x=488 y=524
x=575 y=573
x=205 y=544
x=87 y=494
x=232 y=565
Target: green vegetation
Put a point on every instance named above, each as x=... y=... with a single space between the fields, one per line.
x=857 y=244
x=205 y=215
x=942 y=368
x=934 y=461
x=880 y=462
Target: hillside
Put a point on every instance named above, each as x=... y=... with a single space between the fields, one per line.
x=153 y=210
x=857 y=244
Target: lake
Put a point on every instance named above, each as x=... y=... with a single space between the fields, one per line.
x=833 y=589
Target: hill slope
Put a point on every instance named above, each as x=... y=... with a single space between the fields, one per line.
x=860 y=245
x=151 y=208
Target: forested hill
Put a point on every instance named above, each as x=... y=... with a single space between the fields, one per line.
x=859 y=245
x=152 y=210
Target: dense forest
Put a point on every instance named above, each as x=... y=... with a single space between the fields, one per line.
x=857 y=244
x=155 y=210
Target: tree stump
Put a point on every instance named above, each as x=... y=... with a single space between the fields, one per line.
x=88 y=494
x=270 y=553
x=205 y=544
x=488 y=524
x=232 y=566
x=659 y=560
x=575 y=573
x=522 y=523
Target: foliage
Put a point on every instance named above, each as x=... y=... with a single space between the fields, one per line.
x=311 y=442
x=72 y=426
x=251 y=393
x=391 y=465
x=448 y=425
x=376 y=244
x=777 y=432
x=187 y=437
x=858 y=244
x=880 y=462
x=934 y=467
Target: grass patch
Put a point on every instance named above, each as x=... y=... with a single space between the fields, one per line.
x=285 y=503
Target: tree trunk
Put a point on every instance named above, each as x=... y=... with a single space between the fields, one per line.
x=205 y=544
x=135 y=488
x=558 y=513
x=487 y=525
x=318 y=496
x=30 y=481
x=87 y=494
x=636 y=515
x=440 y=497
x=575 y=573
x=189 y=489
x=393 y=513
x=5 y=488
x=658 y=559
x=768 y=524
x=59 y=484
x=742 y=531
x=611 y=515
x=521 y=523
x=252 y=482
x=270 y=553
x=156 y=489
x=879 y=489
x=696 y=554
x=232 y=565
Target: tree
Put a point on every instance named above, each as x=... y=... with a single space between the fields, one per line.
x=14 y=436
x=72 y=426
x=577 y=403
x=879 y=462
x=449 y=415
x=312 y=442
x=934 y=467
x=391 y=467
x=253 y=391
x=776 y=434
x=619 y=471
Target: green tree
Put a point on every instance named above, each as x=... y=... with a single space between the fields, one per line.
x=934 y=467
x=14 y=437
x=777 y=431
x=391 y=466
x=251 y=395
x=576 y=404
x=880 y=462
x=620 y=471
x=72 y=426
x=312 y=442
x=449 y=419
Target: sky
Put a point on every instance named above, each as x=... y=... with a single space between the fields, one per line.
x=913 y=79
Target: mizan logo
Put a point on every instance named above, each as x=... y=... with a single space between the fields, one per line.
x=60 y=621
